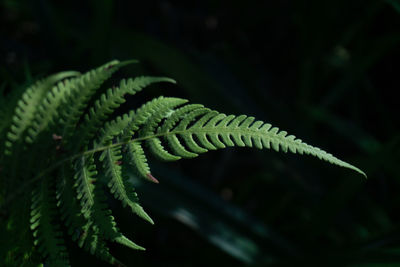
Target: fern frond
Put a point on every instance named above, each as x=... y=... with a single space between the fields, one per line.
x=70 y=98
x=68 y=204
x=104 y=220
x=113 y=129
x=49 y=108
x=27 y=107
x=92 y=203
x=48 y=236
x=197 y=130
x=85 y=87
x=85 y=179
x=119 y=184
x=93 y=242
x=112 y=99
x=146 y=111
x=60 y=135
x=155 y=144
x=139 y=161
x=147 y=116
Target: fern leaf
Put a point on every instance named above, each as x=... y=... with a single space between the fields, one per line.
x=93 y=204
x=104 y=220
x=97 y=245
x=112 y=99
x=58 y=107
x=27 y=107
x=159 y=150
x=113 y=129
x=195 y=131
x=85 y=179
x=68 y=204
x=70 y=99
x=139 y=161
x=85 y=87
x=142 y=115
x=47 y=234
x=48 y=110
x=119 y=185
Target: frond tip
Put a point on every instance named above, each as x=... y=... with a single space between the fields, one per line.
x=192 y=129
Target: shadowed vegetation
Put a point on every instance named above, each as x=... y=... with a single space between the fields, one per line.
x=325 y=71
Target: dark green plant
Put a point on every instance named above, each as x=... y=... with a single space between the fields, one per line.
x=62 y=149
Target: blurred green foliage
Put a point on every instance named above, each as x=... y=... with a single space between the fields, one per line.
x=325 y=70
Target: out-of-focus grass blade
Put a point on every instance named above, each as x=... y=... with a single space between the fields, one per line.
x=395 y=4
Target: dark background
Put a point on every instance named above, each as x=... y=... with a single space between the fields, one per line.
x=326 y=71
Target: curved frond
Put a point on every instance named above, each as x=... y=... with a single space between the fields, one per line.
x=111 y=100
x=54 y=136
x=70 y=98
x=190 y=131
x=93 y=206
x=85 y=87
x=119 y=184
x=27 y=107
